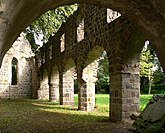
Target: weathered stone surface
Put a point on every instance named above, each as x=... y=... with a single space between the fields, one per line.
x=148 y=16
x=101 y=29
x=21 y=50
x=134 y=116
x=152 y=119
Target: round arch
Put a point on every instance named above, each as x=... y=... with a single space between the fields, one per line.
x=150 y=25
x=89 y=75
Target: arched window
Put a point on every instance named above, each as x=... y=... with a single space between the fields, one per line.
x=14 y=71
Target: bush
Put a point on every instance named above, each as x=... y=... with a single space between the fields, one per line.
x=155 y=89
x=102 y=89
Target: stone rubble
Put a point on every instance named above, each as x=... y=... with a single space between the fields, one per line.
x=152 y=119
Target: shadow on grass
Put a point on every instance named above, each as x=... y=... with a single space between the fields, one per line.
x=33 y=116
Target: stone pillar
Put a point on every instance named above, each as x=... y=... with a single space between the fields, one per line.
x=43 y=92
x=130 y=94
x=86 y=87
x=86 y=95
x=54 y=90
x=67 y=87
x=124 y=93
x=54 y=87
x=82 y=93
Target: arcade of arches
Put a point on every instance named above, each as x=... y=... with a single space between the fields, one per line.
x=74 y=51
x=75 y=48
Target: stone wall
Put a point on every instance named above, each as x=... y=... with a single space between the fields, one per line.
x=78 y=44
x=148 y=16
x=21 y=51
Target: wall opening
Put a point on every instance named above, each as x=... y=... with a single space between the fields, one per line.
x=14 y=71
x=151 y=73
x=112 y=15
x=80 y=31
x=102 y=84
x=62 y=45
x=96 y=91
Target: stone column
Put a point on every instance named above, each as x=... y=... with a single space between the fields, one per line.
x=43 y=92
x=124 y=93
x=86 y=87
x=82 y=93
x=54 y=90
x=86 y=95
x=67 y=87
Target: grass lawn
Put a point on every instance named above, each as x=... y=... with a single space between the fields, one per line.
x=144 y=100
x=33 y=116
x=102 y=102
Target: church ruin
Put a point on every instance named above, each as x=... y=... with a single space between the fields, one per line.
x=75 y=49
x=16 y=71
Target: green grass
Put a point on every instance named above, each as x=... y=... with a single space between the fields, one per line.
x=144 y=100
x=102 y=102
x=25 y=115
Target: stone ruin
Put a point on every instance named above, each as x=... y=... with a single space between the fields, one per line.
x=16 y=70
x=152 y=119
x=74 y=49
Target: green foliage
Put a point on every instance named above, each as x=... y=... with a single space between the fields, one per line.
x=156 y=89
x=146 y=62
x=49 y=23
x=30 y=38
x=150 y=69
x=103 y=74
x=158 y=75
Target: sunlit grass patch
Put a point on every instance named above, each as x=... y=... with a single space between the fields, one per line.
x=144 y=100
x=28 y=115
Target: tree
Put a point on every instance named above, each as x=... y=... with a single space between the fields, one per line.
x=146 y=61
x=150 y=68
x=48 y=24
x=158 y=75
x=146 y=65
x=103 y=74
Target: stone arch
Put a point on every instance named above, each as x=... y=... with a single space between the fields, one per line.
x=89 y=77
x=43 y=92
x=67 y=83
x=54 y=84
x=151 y=26
x=124 y=76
